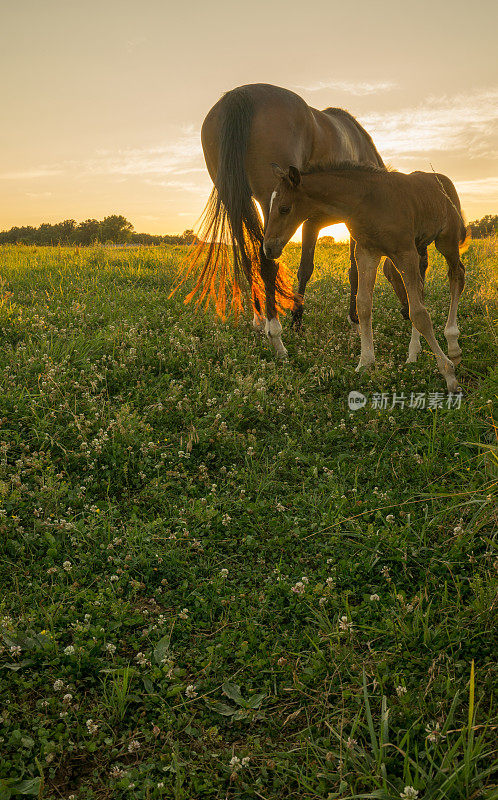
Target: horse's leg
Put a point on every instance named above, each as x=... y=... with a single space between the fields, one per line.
x=305 y=271
x=407 y=264
x=258 y=320
x=456 y=277
x=273 y=328
x=396 y=282
x=353 y=284
x=367 y=262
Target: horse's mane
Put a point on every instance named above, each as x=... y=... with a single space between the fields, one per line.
x=345 y=166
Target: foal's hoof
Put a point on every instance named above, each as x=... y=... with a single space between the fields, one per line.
x=365 y=367
x=456 y=358
x=405 y=312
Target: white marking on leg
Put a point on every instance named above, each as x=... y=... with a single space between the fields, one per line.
x=273 y=330
x=414 y=347
x=272 y=198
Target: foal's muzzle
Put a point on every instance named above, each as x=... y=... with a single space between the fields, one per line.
x=272 y=249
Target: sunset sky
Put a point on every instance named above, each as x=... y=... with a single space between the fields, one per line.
x=102 y=101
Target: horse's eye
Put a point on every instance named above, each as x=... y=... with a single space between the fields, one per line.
x=284 y=209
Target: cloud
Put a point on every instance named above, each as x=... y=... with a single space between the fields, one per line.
x=38 y=195
x=351 y=87
x=30 y=174
x=178 y=156
x=478 y=189
x=462 y=122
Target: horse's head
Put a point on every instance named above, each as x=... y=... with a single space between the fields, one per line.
x=287 y=211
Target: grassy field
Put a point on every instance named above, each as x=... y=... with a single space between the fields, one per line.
x=216 y=580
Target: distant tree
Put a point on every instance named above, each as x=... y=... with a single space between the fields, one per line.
x=486 y=226
x=327 y=240
x=116 y=229
x=87 y=232
x=189 y=237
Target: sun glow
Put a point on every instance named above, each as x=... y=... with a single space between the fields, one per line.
x=339 y=232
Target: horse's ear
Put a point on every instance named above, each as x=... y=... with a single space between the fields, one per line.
x=294 y=176
x=278 y=171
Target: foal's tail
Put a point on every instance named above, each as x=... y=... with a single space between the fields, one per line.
x=231 y=233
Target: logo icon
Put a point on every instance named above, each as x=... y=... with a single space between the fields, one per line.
x=356 y=400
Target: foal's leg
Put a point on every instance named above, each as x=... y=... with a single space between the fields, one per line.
x=456 y=277
x=414 y=348
x=273 y=328
x=408 y=265
x=368 y=262
x=305 y=271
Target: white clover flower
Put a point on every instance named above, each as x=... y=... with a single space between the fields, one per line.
x=226 y=519
x=110 y=648
x=69 y=650
x=183 y=614
x=224 y=573
x=245 y=761
x=67 y=698
x=92 y=726
x=390 y=518
x=298 y=588
x=330 y=582
x=134 y=746
x=280 y=507
x=67 y=566
x=344 y=625
x=15 y=649
x=305 y=579
x=114 y=578
x=409 y=793
x=374 y=598
x=401 y=690
x=58 y=685
x=190 y=691
x=235 y=763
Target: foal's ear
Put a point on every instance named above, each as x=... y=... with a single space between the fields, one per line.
x=294 y=176
x=278 y=171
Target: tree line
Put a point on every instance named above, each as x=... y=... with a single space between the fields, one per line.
x=484 y=227
x=114 y=229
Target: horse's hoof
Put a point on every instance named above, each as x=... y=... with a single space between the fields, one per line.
x=353 y=319
x=405 y=312
x=297 y=319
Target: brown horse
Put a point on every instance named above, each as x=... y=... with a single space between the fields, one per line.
x=248 y=129
x=388 y=214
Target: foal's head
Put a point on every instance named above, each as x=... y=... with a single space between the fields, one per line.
x=288 y=208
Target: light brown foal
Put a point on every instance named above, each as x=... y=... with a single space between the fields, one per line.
x=388 y=214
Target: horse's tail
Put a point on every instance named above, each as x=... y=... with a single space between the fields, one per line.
x=230 y=224
x=465 y=237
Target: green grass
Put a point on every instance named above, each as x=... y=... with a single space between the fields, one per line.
x=206 y=557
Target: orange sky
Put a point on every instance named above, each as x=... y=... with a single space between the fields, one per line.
x=102 y=102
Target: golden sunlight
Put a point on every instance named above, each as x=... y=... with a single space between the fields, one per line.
x=339 y=232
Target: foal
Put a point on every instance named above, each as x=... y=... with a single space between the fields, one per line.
x=388 y=214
